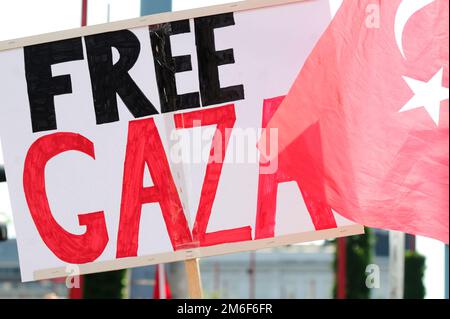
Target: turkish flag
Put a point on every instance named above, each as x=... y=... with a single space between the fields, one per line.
x=376 y=87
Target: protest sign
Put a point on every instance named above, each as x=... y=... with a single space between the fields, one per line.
x=135 y=142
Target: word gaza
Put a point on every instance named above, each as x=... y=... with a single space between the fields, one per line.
x=145 y=149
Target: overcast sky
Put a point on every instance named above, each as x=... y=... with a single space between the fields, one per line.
x=19 y=18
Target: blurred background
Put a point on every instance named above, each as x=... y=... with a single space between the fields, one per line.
x=297 y=271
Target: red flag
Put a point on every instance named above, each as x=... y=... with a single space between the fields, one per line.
x=376 y=85
x=161 y=289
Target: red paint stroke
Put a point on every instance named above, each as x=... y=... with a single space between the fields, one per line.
x=68 y=247
x=144 y=147
x=224 y=117
x=321 y=214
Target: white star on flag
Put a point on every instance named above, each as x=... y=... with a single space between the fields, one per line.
x=427 y=94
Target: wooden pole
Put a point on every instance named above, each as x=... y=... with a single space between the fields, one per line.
x=195 y=290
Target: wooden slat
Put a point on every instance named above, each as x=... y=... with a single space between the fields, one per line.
x=142 y=21
x=195 y=290
x=180 y=255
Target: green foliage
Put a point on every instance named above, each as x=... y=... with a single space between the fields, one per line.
x=414 y=273
x=106 y=285
x=359 y=254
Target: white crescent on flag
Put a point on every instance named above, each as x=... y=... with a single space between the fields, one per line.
x=404 y=12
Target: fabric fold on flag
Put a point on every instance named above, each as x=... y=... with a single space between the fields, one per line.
x=376 y=86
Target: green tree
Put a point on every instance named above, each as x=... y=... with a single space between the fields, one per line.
x=105 y=285
x=359 y=251
x=414 y=287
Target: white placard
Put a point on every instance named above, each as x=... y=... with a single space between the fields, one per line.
x=72 y=145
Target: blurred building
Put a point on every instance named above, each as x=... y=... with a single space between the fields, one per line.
x=297 y=271
x=10 y=282
x=142 y=282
